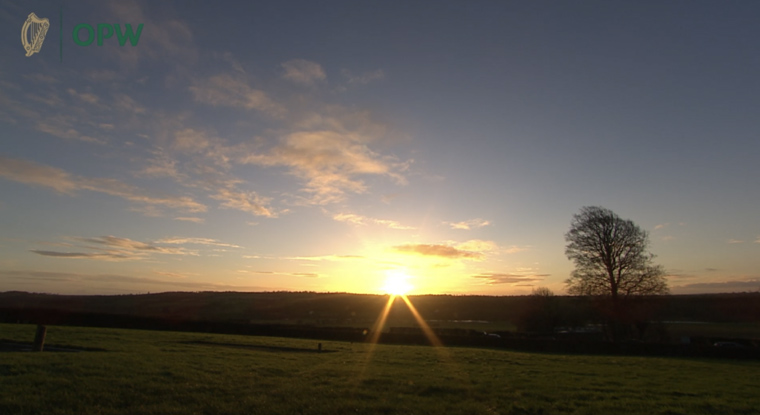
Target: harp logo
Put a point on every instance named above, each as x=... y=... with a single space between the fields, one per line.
x=33 y=33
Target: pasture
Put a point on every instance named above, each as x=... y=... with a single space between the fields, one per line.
x=150 y=372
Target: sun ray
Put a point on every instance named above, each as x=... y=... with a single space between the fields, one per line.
x=374 y=337
x=434 y=340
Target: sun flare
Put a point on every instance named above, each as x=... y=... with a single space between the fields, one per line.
x=396 y=283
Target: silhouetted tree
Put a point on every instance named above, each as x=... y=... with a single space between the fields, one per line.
x=611 y=261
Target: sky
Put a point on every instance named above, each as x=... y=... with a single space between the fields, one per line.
x=325 y=146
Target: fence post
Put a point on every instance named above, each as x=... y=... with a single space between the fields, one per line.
x=319 y=347
x=39 y=338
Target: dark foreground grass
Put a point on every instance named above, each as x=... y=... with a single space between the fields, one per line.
x=143 y=372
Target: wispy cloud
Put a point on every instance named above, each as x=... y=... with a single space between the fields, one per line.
x=478 y=245
x=87 y=97
x=305 y=274
x=88 y=255
x=326 y=258
x=190 y=219
x=661 y=226
x=84 y=280
x=291 y=274
x=363 y=78
x=170 y=274
x=303 y=72
x=245 y=201
x=468 y=224
x=363 y=220
x=233 y=91
x=112 y=248
x=62 y=126
x=31 y=173
x=330 y=161
x=513 y=279
x=735 y=241
x=195 y=241
x=443 y=251
x=513 y=249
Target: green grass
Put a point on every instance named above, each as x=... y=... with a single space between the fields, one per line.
x=144 y=372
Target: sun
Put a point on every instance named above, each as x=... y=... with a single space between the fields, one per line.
x=396 y=283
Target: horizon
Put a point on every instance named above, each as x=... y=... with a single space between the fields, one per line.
x=398 y=297
x=291 y=146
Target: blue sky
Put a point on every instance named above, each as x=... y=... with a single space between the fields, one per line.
x=324 y=146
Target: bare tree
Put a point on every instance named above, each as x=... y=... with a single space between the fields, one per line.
x=613 y=266
x=542 y=292
x=611 y=257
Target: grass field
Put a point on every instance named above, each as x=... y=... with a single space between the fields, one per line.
x=143 y=372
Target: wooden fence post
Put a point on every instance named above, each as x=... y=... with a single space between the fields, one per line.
x=39 y=338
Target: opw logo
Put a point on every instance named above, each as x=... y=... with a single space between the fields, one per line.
x=106 y=31
x=33 y=33
x=34 y=30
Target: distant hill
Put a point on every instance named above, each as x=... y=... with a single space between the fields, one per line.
x=356 y=310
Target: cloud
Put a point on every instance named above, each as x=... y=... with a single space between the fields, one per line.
x=28 y=172
x=363 y=78
x=443 y=251
x=303 y=72
x=468 y=224
x=305 y=274
x=735 y=241
x=170 y=274
x=130 y=245
x=478 y=245
x=517 y=279
x=363 y=220
x=232 y=91
x=390 y=197
x=196 y=241
x=61 y=126
x=245 y=201
x=129 y=192
x=87 y=97
x=86 y=280
x=189 y=140
x=112 y=248
x=105 y=256
x=190 y=219
x=329 y=161
x=326 y=258
x=128 y=105
x=513 y=249
x=291 y=274
x=124 y=243
x=661 y=226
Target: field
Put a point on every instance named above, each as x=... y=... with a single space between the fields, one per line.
x=147 y=372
